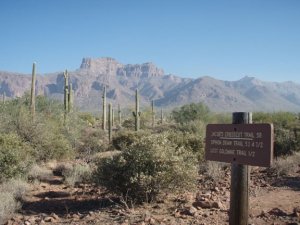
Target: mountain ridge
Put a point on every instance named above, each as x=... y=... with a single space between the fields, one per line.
x=245 y=94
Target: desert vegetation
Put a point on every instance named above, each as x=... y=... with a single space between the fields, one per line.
x=139 y=158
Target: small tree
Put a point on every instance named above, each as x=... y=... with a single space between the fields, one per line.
x=191 y=112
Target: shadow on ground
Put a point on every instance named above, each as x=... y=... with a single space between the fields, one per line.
x=290 y=182
x=62 y=207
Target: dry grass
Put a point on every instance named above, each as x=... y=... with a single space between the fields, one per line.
x=62 y=168
x=8 y=206
x=79 y=173
x=284 y=166
x=73 y=173
x=106 y=154
x=39 y=173
x=213 y=170
x=11 y=195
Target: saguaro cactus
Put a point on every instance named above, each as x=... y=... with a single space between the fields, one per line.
x=32 y=94
x=109 y=122
x=70 y=98
x=161 y=116
x=66 y=90
x=137 y=113
x=104 y=109
x=3 y=98
x=119 y=115
x=112 y=117
x=153 y=113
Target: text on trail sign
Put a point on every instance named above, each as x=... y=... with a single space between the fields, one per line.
x=250 y=144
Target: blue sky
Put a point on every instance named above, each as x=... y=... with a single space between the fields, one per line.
x=191 y=38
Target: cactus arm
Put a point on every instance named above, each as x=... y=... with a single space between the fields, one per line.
x=32 y=97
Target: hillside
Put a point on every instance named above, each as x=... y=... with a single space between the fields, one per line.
x=246 y=94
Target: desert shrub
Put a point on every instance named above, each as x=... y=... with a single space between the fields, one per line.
x=286 y=129
x=92 y=141
x=88 y=118
x=73 y=173
x=14 y=156
x=279 y=119
x=147 y=167
x=11 y=194
x=220 y=118
x=46 y=133
x=190 y=112
x=77 y=174
x=38 y=173
x=196 y=126
x=213 y=170
x=159 y=128
x=8 y=206
x=128 y=123
x=18 y=187
x=285 y=142
x=145 y=120
x=62 y=168
x=54 y=147
x=286 y=165
x=125 y=138
x=192 y=142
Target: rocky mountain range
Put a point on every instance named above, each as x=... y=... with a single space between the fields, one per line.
x=246 y=94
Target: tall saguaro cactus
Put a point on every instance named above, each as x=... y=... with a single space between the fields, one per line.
x=3 y=97
x=161 y=116
x=32 y=94
x=109 y=122
x=153 y=113
x=66 y=91
x=137 y=113
x=112 y=116
x=104 y=109
x=66 y=95
x=70 y=98
x=119 y=115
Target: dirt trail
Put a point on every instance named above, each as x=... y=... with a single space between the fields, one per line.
x=272 y=201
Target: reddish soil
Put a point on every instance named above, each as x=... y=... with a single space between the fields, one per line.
x=273 y=200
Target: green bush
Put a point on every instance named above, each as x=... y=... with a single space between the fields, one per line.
x=46 y=134
x=196 y=127
x=191 y=112
x=147 y=167
x=285 y=142
x=14 y=156
x=11 y=194
x=286 y=129
x=77 y=174
x=128 y=123
x=92 y=141
x=284 y=166
x=125 y=138
x=88 y=118
x=192 y=142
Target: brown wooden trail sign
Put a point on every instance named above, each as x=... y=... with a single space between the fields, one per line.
x=241 y=144
x=247 y=144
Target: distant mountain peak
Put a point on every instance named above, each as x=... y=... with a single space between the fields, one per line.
x=96 y=63
x=250 y=80
x=110 y=66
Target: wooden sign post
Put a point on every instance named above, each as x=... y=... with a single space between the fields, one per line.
x=241 y=144
x=240 y=177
